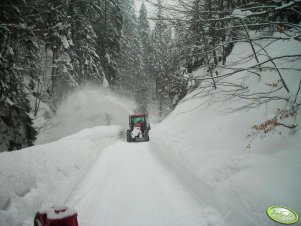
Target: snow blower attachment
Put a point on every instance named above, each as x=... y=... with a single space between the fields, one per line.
x=139 y=128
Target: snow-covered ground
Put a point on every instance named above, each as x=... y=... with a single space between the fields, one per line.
x=127 y=185
x=204 y=142
x=208 y=151
x=45 y=175
x=196 y=170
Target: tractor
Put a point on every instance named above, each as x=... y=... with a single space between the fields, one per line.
x=139 y=128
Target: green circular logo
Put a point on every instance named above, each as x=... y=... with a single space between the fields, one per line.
x=282 y=215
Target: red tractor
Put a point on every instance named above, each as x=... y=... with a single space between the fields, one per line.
x=139 y=128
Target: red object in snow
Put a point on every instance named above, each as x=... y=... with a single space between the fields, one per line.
x=40 y=219
x=56 y=216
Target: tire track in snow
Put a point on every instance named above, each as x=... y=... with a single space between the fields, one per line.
x=127 y=185
x=216 y=211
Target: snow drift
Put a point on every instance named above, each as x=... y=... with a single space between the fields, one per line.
x=45 y=175
x=210 y=150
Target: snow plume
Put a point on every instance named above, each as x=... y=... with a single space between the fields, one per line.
x=87 y=108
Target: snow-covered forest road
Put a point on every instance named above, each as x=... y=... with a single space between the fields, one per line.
x=129 y=185
x=219 y=81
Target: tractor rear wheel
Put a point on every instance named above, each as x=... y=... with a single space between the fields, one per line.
x=146 y=136
x=128 y=136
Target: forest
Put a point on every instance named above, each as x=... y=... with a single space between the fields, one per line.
x=49 y=49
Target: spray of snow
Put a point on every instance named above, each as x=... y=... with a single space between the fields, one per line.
x=88 y=108
x=105 y=82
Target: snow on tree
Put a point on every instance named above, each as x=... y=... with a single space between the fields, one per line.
x=148 y=52
x=215 y=26
x=144 y=27
x=132 y=75
x=161 y=41
x=85 y=60
x=80 y=38
x=107 y=25
x=49 y=48
x=17 y=66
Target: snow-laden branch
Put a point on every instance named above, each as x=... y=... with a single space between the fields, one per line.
x=240 y=13
x=247 y=68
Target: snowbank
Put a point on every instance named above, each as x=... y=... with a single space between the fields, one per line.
x=45 y=175
x=209 y=149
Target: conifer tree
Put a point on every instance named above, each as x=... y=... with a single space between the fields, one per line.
x=161 y=41
x=147 y=56
x=81 y=37
x=131 y=61
x=85 y=60
x=144 y=27
x=18 y=47
x=107 y=26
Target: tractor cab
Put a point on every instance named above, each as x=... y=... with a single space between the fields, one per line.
x=139 y=128
x=137 y=120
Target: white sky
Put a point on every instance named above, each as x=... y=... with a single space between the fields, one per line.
x=151 y=9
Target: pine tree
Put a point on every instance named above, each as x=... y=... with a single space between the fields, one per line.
x=145 y=37
x=107 y=26
x=178 y=56
x=161 y=41
x=144 y=28
x=85 y=60
x=55 y=33
x=131 y=61
x=17 y=66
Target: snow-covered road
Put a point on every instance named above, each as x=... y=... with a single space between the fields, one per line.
x=128 y=185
